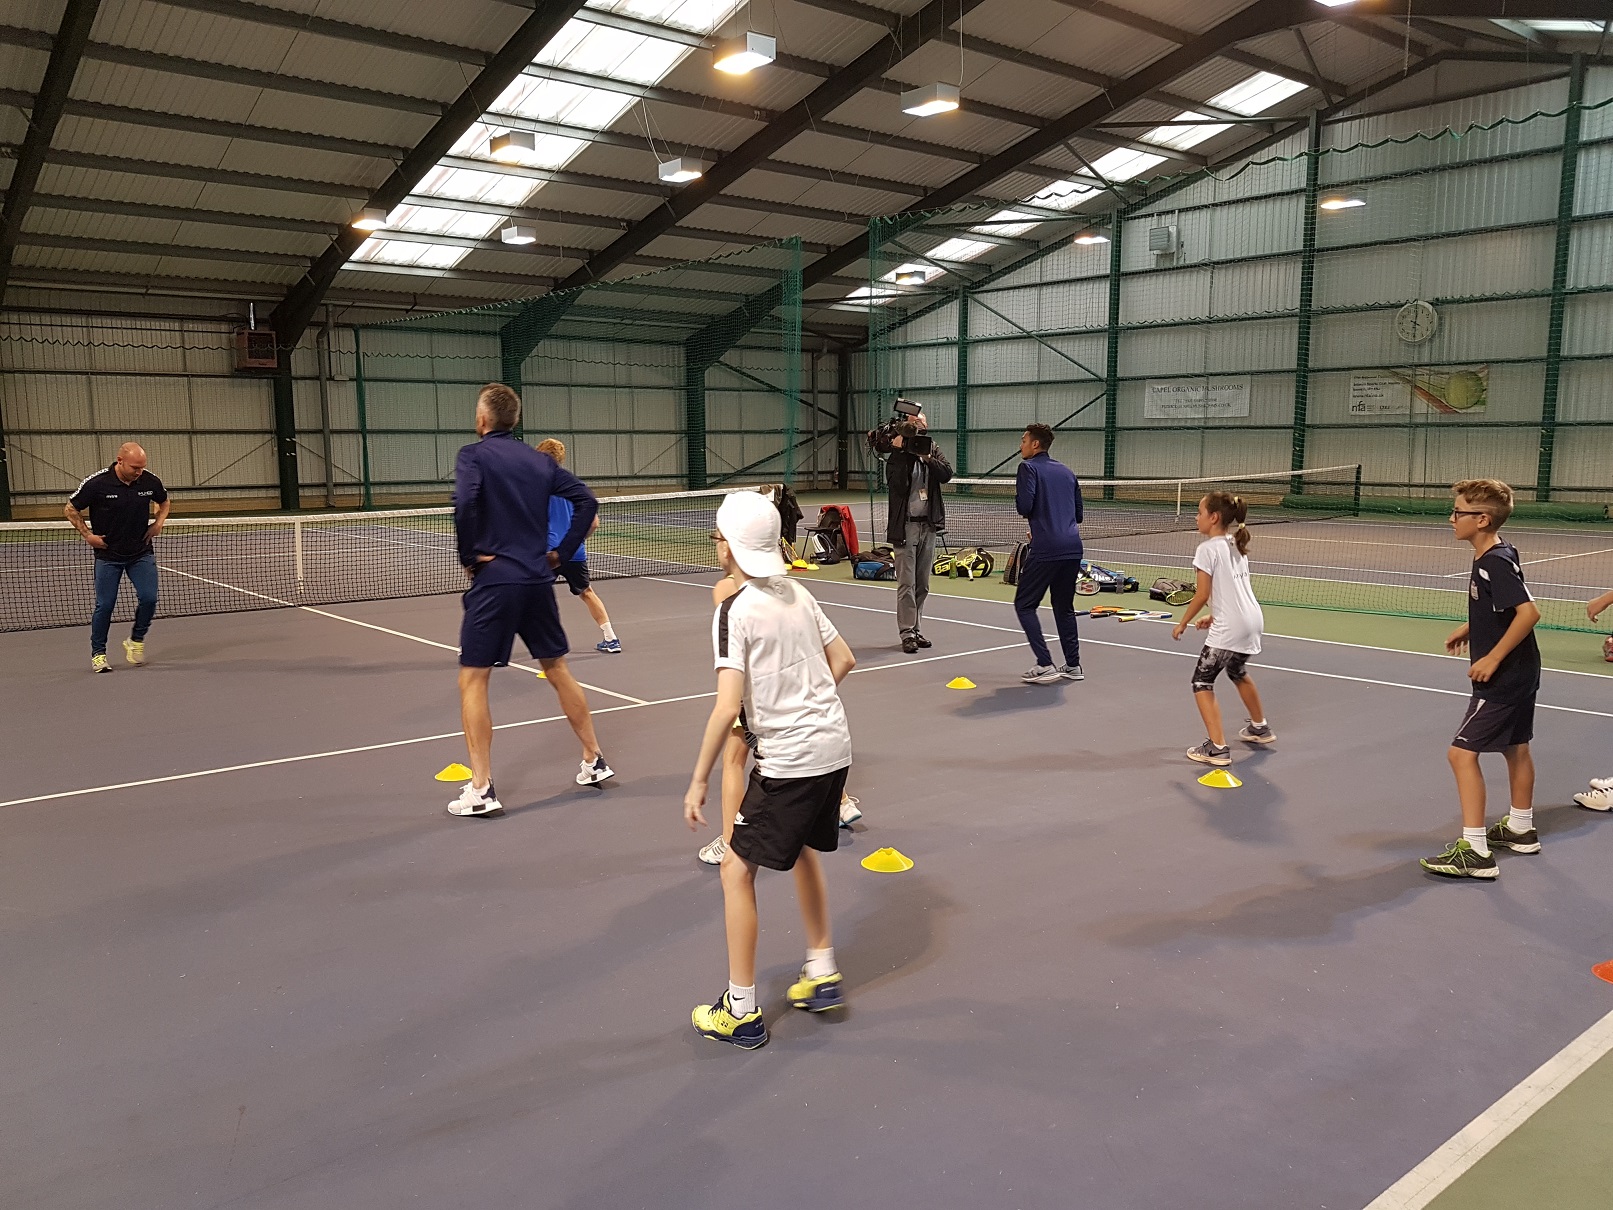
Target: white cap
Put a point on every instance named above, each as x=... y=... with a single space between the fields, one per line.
x=749 y=522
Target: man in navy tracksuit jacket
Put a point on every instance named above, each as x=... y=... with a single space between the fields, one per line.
x=1047 y=494
x=501 y=522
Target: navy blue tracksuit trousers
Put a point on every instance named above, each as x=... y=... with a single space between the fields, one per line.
x=1036 y=579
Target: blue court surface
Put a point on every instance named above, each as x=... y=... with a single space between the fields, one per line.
x=251 y=963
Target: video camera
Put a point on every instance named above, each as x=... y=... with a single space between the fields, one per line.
x=882 y=440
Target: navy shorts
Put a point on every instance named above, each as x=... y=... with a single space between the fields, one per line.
x=1495 y=726
x=575 y=574
x=780 y=816
x=496 y=613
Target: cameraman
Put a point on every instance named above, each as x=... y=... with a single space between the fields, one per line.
x=914 y=473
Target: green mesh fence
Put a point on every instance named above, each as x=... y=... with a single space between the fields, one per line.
x=1425 y=293
x=685 y=377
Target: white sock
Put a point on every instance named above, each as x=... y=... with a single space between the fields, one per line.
x=741 y=1000
x=1257 y=722
x=610 y=632
x=1520 y=821
x=1475 y=837
x=820 y=963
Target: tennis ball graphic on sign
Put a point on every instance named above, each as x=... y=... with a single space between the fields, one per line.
x=1449 y=391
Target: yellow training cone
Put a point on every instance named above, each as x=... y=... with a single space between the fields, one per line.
x=1220 y=779
x=960 y=682
x=887 y=861
x=454 y=772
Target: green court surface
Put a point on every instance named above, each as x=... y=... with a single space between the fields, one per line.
x=1561 y=1158
x=1566 y=650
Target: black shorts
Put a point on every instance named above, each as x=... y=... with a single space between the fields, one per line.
x=783 y=815
x=1495 y=726
x=496 y=613
x=1213 y=661
x=575 y=574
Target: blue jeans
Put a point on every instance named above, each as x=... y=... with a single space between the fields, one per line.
x=1036 y=580
x=142 y=574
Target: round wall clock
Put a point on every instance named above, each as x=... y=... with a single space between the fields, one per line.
x=1416 y=322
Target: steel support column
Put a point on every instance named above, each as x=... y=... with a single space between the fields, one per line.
x=1566 y=189
x=962 y=417
x=702 y=351
x=1307 y=290
x=843 y=418
x=1111 y=364
x=285 y=433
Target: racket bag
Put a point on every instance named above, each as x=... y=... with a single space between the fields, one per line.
x=1016 y=560
x=1164 y=587
x=876 y=564
x=826 y=539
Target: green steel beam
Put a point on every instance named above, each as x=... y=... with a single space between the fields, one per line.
x=1111 y=370
x=1307 y=293
x=285 y=432
x=1567 y=187
x=961 y=413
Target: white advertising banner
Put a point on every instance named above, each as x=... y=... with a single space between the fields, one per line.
x=1196 y=398
x=1379 y=393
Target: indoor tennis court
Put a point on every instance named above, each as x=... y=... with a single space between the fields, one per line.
x=267 y=265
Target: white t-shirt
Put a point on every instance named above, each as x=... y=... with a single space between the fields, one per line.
x=775 y=632
x=1238 y=622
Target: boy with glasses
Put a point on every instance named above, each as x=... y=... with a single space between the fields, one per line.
x=1505 y=670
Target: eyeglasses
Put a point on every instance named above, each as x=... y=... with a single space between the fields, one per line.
x=717 y=537
x=1468 y=512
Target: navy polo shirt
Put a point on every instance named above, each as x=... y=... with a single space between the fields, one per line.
x=119 y=512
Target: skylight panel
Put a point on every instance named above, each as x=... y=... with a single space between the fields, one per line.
x=1555 y=26
x=1257 y=94
x=1183 y=137
x=957 y=249
x=1123 y=163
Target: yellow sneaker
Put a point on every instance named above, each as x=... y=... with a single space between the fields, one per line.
x=817 y=995
x=134 y=652
x=99 y=663
x=718 y=1022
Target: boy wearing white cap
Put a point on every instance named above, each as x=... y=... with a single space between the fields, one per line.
x=782 y=659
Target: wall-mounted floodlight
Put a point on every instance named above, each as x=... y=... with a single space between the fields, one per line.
x=680 y=169
x=1091 y=237
x=517 y=233
x=512 y=146
x=371 y=218
x=736 y=56
x=911 y=277
x=1340 y=202
x=931 y=99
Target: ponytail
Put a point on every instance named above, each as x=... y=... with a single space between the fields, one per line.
x=1231 y=512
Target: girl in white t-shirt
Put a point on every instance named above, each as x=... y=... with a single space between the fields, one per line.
x=1235 y=623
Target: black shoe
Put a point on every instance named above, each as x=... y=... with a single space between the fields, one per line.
x=1461 y=861
x=910 y=645
x=921 y=640
x=1502 y=836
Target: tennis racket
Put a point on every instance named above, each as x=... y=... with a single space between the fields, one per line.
x=1085 y=587
x=1182 y=596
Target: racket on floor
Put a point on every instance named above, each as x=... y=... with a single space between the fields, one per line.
x=1182 y=596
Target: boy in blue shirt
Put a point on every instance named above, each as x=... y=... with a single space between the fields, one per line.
x=575 y=570
x=1505 y=671
x=1048 y=496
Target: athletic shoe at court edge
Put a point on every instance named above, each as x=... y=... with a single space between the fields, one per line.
x=1208 y=753
x=594 y=773
x=99 y=663
x=921 y=640
x=1042 y=674
x=1072 y=672
x=718 y=1022
x=1598 y=798
x=1461 y=860
x=910 y=645
x=817 y=995
x=134 y=652
x=609 y=646
x=1263 y=734
x=850 y=812
x=1518 y=842
x=714 y=852
x=472 y=801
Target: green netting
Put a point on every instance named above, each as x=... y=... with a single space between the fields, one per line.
x=685 y=377
x=1226 y=323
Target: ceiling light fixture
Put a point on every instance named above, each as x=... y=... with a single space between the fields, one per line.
x=1091 y=237
x=512 y=146
x=1334 y=3
x=746 y=53
x=516 y=233
x=1340 y=203
x=371 y=218
x=680 y=169
x=911 y=277
x=931 y=99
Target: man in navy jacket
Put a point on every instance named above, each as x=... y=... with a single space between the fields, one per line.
x=501 y=522
x=1047 y=494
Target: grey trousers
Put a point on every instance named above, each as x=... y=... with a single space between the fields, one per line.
x=914 y=559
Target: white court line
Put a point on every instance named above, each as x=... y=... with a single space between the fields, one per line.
x=1479 y=1137
x=413 y=638
x=427 y=739
x=1581 y=555
x=1190 y=655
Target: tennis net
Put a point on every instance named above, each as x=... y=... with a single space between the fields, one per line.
x=226 y=564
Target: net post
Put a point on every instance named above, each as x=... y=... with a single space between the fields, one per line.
x=1111 y=365
x=285 y=432
x=5 y=478
x=296 y=544
x=1567 y=187
x=1178 y=497
x=1356 y=509
x=961 y=408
